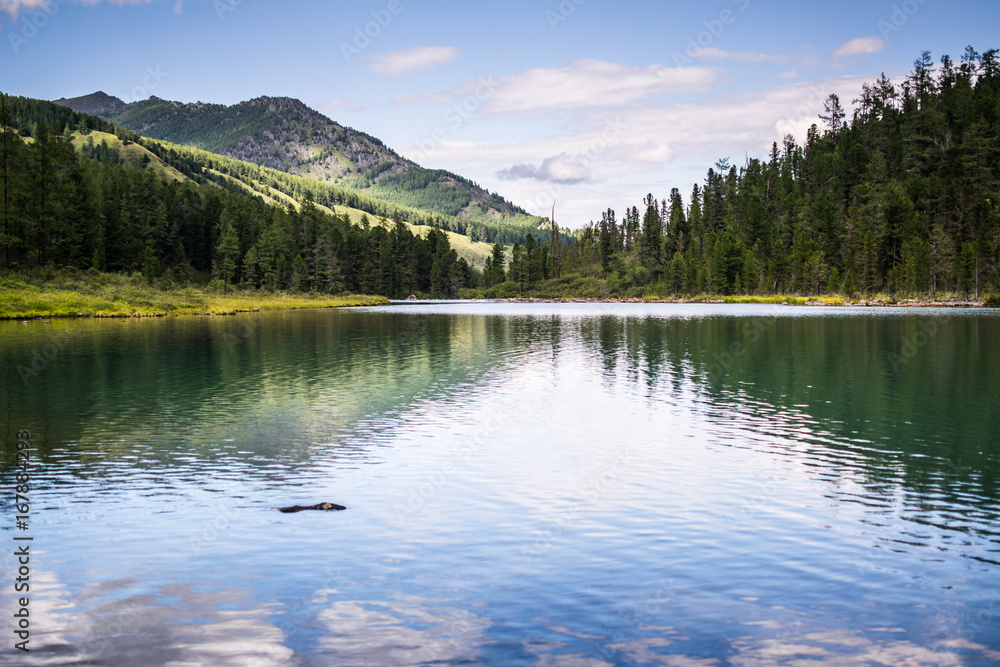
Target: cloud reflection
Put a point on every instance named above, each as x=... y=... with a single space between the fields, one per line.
x=405 y=631
x=174 y=625
x=846 y=648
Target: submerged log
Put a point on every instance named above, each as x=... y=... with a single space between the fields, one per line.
x=319 y=506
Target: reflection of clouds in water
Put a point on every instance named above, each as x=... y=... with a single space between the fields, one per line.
x=405 y=631
x=682 y=661
x=547 y=655
x=569 y=660
x=641 y=651
x=177 y=625
x=50 y=624
x=105 y=626
x=840 y=648
x=645 y=652
x=552 y=653
x=844 y=648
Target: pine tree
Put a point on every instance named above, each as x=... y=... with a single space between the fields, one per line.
x=11 y=148
x=606 y=240
x=300 y=280
x=517 y=270
x=835 y=113
x=43 y=184
x=652 y=230
x=533 y=267
x=495 y=273
x=227 y=253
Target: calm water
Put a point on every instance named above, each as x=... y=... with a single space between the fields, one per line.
x=527 y=485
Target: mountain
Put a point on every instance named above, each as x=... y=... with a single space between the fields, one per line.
x=81 y=193
x=106 y=142
x=96 y=104
x=284 y=134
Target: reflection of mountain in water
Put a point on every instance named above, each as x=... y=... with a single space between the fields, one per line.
x=913 y=395
x=275 y=383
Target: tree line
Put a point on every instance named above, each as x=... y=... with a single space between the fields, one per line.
x=902 y=197
x=97 y=209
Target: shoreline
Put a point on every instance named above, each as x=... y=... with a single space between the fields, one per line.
x=288 y=303
x=60 y=305
x=773 y=301
x=114 y=297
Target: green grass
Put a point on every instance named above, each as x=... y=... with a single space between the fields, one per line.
x=570 y=286
x=132 y=154
x=108 y=295
x=785 y=299
x=582 y=285
x=473 y=252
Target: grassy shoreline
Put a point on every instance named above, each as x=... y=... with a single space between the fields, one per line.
x=586 y=288
x=70 y=294
x=106 y=295
x=780 y=300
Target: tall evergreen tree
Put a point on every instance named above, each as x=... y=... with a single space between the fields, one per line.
x=11 y=148
x=227 y=252
x=835 y=114
x=652 y=230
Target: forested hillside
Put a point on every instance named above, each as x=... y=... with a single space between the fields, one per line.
x=902 y=197
x=119 y=207
x=203 y=166
x=284 y=134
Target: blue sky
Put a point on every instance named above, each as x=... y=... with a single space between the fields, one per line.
x=590 y=102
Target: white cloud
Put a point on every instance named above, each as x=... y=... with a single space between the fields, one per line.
x=646 y=135
x=337 y=105
x=557 y=169
x=14 y=7
x=585 y=83
x=402 y=62
x=118 y=2
x=602 y=157
x=860 y=46
x=712 y=53
x=653 y=154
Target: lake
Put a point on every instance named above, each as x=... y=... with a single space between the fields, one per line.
x=527 y=484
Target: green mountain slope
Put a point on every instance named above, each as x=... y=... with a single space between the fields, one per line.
x=80 y=193
x=284 y=134
x=471 y=239
x=106 y=142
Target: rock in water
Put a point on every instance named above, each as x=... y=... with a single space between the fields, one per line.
x=320 y=506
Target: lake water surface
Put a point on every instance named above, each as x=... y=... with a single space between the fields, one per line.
x=527 y=484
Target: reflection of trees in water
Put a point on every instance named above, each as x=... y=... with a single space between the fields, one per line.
x=274 y=381
x=909 y=399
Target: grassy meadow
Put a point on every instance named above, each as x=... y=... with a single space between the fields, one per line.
x=91 y=294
